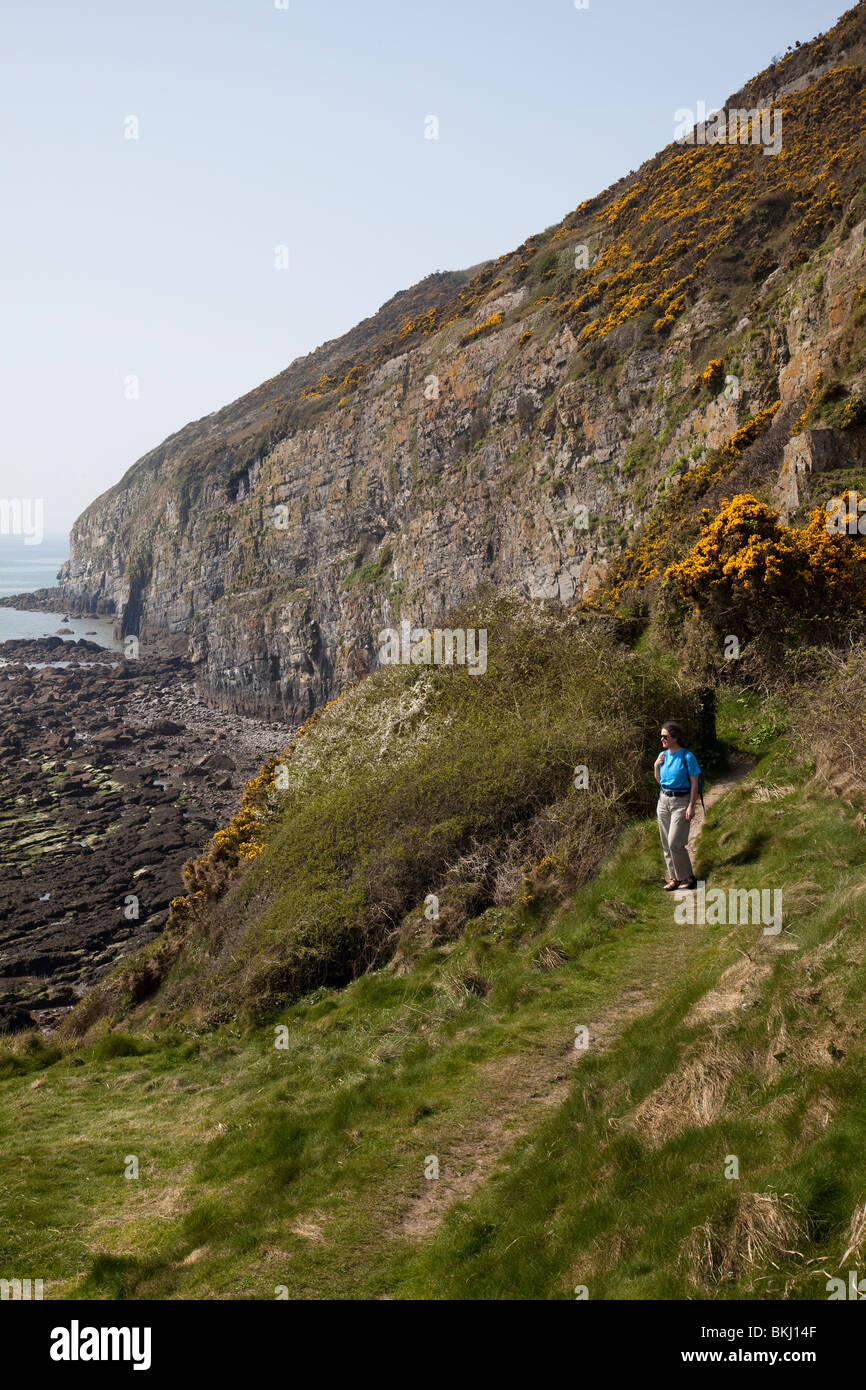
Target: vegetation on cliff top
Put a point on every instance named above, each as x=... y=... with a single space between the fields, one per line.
x=692 y=221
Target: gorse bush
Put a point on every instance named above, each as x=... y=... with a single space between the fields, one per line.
x=675 y=519
x=749 y=574
x=712 y=377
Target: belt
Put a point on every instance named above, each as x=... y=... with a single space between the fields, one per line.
x=667 y=793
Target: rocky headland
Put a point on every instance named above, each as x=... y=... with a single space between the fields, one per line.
x=47 y=601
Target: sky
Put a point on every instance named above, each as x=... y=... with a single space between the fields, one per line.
x=154 y=156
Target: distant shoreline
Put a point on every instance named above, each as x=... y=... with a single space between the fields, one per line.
x=45 y=613
x=48 y=601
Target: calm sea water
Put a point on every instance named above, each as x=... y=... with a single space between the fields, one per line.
x=24 y=568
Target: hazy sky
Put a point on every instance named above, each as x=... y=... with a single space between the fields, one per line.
x=301 y=126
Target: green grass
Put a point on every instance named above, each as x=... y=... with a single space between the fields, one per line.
x=299 y=1167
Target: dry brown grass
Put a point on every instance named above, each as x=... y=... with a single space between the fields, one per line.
x=802 y=898
x=549 y=958
x=310 y=1227
x=771 y=791
x=819 y=1112
x=760 y=1229
x=461 y=986
x=692 y=1095
x=855 y=1240
x=195 y=1256
x=602 y=1256
x=737 y=987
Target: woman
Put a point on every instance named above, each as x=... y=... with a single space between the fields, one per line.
x=678 y=773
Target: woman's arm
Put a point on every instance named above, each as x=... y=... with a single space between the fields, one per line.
x=690 y=810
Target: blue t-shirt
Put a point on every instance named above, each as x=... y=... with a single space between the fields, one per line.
x=677 y=770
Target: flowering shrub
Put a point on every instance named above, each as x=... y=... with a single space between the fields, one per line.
x=748 y=571
x=713 y=376
x=243 y=839
x=354 y=376
x=662 y=534
x=748 y=433
x=801 y=423
x=238 y=841
x=831 y=405
x=657 y=237
x=424 y=323
x=490 y=322
x=854 y=413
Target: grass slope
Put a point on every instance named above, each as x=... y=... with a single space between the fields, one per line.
x=420 y=780
x=303 y=1167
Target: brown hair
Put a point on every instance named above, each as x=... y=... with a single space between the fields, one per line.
x=675 y=730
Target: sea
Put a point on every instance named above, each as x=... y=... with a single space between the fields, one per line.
x=24 y=568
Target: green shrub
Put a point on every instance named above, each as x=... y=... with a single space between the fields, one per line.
x=426 y=780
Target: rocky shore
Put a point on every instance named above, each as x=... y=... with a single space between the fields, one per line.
x=48 y=601
x=114 y=774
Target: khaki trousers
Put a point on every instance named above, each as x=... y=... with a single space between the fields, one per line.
x=674 y=831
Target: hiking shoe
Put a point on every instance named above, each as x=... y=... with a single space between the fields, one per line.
x=670 y=885
x=689 y=883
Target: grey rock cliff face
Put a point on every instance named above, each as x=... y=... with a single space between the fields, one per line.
x=451 y=467
x=511 y=426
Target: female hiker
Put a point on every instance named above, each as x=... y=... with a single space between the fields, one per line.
x=678 y=773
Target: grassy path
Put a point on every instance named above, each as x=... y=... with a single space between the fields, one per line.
x=304 y=1166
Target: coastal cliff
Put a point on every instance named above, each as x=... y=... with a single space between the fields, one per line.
x=389 y=1003
x=513 y=425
